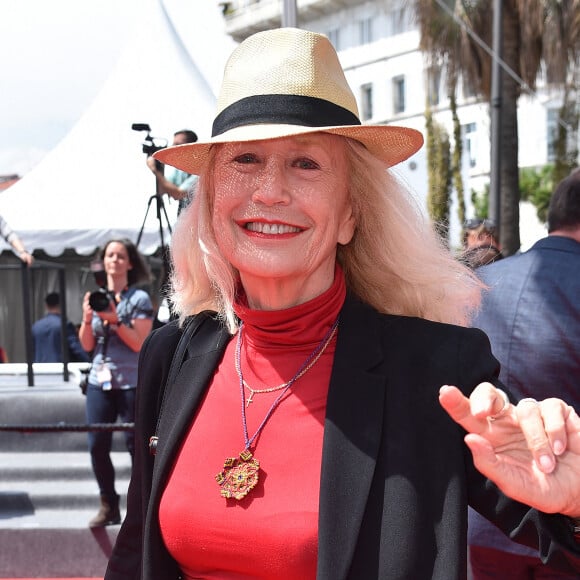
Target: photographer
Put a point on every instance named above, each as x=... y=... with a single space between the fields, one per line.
x=116 y=321
x=177 y=184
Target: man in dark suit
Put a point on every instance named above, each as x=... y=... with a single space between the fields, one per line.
x=46 y=334
x=531 y=314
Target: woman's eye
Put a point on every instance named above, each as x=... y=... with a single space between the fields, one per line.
x=245 y=158
x=305 y=163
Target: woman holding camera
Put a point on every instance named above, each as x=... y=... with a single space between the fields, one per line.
x=114 y=329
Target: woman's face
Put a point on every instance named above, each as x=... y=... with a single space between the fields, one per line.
x=281 y=206
x=116 y=260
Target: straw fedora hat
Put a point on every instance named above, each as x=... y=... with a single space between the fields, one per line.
x=285 y=82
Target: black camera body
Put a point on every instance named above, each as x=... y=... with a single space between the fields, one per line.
x=149 y=147
x=151 y=144
x=100 y=299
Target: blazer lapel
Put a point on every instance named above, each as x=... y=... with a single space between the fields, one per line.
x=205 y=353
x=352 y=432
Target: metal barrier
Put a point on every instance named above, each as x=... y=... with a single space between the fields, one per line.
x=40 y=264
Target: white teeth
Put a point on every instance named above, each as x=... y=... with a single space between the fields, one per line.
x=271 y=228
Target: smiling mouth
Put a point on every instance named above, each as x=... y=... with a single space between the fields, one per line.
x=264 y=228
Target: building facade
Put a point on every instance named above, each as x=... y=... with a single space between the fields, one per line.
x=378 y=45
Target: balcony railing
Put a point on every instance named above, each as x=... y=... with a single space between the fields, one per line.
x=245 y=17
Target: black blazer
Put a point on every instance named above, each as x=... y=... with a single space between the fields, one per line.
x=396 y=476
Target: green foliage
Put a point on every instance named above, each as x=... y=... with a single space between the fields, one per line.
x=536 y=186
x=566 y=145
x=537 y=36
x=456 y=159
x=439 y=163
x=480 y=202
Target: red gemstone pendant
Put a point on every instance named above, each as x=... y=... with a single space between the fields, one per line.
x=239 y=476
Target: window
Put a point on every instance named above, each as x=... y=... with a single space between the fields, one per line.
x=399 y=20
x=366 y=98
x=365 y=31
x=399 y=94
x=334 y=37
x=469 y=131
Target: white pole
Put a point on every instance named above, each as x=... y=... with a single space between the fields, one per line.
x=290 y=13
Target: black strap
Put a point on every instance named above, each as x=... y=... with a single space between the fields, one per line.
x=104 y=342
x=192 y=325
x=106 y=338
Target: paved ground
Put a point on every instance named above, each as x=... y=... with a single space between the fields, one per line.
x=47 y=488
x=53 y=490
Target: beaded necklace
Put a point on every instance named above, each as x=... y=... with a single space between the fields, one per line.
x=240 y=474
x=310 y=362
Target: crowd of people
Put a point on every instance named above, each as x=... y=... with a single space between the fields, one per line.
x=338 y=396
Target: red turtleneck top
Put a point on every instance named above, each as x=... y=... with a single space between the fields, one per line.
x=272 y=532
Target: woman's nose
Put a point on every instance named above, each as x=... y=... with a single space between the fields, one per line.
x=272 y=186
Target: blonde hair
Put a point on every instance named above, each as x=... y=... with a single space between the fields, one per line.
x=395 y=261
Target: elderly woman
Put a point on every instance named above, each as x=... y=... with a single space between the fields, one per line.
x=304 y=427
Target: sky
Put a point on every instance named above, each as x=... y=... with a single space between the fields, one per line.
x=55 y=56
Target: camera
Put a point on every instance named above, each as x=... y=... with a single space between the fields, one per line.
x=100 y=299
x=150 y=144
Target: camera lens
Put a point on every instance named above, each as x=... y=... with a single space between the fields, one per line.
x=99 y=300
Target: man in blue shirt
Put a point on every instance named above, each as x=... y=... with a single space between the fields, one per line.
x=46 y=334
x=531 y=314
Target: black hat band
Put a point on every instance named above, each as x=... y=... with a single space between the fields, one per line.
x=282 y=110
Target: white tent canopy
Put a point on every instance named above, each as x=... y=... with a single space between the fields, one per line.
x=95 y=184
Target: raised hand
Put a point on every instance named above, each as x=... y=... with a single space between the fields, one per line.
x=530 y=451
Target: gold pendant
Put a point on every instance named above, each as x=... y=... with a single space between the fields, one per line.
x=239 y=476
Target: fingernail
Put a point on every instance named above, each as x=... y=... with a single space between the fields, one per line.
x=547 y=464
x=558 y=447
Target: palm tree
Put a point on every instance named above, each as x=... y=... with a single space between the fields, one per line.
x=539 y=37
x=440 y=175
